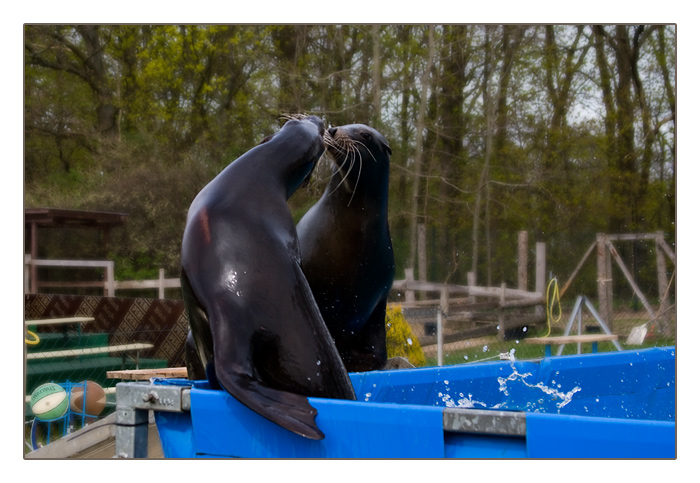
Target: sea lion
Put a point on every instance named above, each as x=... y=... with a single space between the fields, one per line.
x=346 y=249
x=254 y=322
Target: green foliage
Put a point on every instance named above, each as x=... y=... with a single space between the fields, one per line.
x=185 y=100
x=400 y=340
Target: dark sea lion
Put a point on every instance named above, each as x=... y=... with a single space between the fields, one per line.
x=346 y=249
x=254 y=322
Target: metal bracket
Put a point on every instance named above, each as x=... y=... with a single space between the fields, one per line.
x=484 y=421
x=134 y=401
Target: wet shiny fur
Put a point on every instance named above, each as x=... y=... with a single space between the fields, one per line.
x=255 y=327
x=346 y=249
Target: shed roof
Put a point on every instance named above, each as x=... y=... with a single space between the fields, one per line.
x=73 y=218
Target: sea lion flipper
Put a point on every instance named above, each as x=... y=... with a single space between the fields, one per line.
x=289 y=410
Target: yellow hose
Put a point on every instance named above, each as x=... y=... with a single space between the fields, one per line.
x=552 y=288
x=33 y=341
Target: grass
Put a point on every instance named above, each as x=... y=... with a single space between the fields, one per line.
x=491 y=349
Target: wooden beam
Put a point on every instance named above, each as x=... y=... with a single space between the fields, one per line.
x=630 y=279
x=576 y=270
x=571 y=339
x=146 y=374
x=604 y=279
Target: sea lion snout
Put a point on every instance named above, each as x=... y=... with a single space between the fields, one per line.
x=319 y=122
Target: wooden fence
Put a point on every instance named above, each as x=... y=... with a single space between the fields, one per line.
x=108 y=284
x=462 y=312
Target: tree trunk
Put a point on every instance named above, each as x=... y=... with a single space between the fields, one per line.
x=418 y=160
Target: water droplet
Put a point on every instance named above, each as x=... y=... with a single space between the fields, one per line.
x=318 y=363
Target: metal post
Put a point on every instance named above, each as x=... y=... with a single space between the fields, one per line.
x=131 y=435
x=574 y=313
x=134 y=401
x=578 y=344
x=439 y=336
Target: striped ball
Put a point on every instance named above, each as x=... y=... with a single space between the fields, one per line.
x=49 y=401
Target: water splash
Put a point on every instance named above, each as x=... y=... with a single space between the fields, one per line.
x=565 y=397
x=468 y=401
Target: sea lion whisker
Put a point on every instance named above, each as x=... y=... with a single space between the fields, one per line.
x=348 y=293
x=340 y=169
x=368 y=150
x=356 y=151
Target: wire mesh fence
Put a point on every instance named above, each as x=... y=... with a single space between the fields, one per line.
x=474 y=336
x=76 y=338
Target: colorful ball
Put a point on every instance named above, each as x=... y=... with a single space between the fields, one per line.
x=49 y=401
x=95 y=401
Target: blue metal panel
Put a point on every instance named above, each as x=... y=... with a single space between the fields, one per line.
x=353 y=430
x=399 y=413
x=559 y=436
x=179 y=440
x=461 y=445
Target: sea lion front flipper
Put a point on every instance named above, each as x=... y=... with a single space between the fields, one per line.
x=289 y=410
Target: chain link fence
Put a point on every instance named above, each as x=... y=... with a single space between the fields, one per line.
x=74 y=338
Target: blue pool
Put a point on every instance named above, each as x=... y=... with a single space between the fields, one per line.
x=607 y=405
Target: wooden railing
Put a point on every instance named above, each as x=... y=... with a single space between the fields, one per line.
x=108 y=284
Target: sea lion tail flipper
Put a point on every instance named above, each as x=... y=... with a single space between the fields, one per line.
x=289 y=410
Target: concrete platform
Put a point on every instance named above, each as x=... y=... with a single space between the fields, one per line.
x=95 y=441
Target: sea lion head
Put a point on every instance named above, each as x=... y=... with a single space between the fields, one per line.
x=361 y=155
x=301 y=141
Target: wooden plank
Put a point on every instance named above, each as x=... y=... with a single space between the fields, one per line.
x=73 y=263
x=89 y=351
x=632 y=236
x=143 y=284
x=146 y=374
x=571 y=339
x=61 y=320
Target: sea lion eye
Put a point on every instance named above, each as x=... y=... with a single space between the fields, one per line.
x=367 y=136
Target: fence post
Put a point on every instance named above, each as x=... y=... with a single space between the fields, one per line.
x=522 y=260
x=540 y=272
x=604 y=279
x=471 y=282
x=661 y=269
x=109 y=283
x=161 y=283
x=441 y=312
x=422 y=258
x=27 y=272
x=439 y=336
x=410 y=294
x=502 y=315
